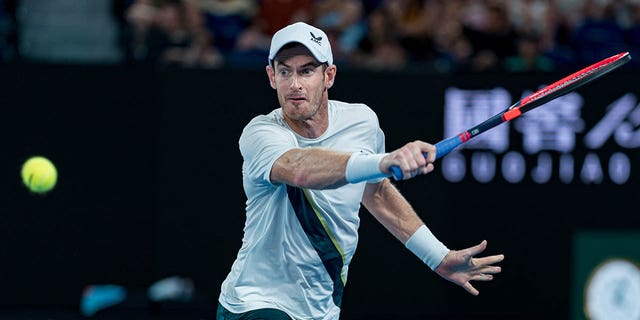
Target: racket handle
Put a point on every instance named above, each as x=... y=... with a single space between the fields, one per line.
x=445 y=146
x=442 y=149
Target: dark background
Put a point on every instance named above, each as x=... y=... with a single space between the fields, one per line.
x=150 y=186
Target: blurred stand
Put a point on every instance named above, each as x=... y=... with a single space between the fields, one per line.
x=168 y=298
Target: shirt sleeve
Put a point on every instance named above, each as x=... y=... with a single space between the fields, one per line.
x=262 y=142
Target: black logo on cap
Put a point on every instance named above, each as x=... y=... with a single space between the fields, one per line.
x=314 y=38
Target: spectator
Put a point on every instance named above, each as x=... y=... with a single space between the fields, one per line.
x=561 y=48
x=414 y=23
x=140 y=17
x=171 y=32
x=379 y=49
x=227 y=19
x=343 y=22
x=633 y=33
x=493 y=39
x=454 y=50
x=529 y=57
x=444 y=36
x=534 y=18
x=598 y=35
x=253 y=42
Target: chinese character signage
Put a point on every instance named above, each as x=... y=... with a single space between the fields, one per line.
x=552 y=142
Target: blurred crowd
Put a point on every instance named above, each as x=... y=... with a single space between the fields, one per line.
x=435 y=35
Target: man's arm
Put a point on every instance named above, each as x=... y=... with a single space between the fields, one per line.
x=313 y=168
x=395 y=213
x=391 y=209
x=321 y=168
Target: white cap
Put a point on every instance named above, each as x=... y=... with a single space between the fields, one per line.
x=311 y=37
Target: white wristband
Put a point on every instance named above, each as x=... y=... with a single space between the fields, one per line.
x=363 y=167
x=427 y=247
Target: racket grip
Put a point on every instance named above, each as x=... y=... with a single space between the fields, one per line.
x=442 y=149
x=396 y=173
x=445 y=146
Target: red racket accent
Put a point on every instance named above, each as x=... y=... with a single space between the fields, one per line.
x=465 y=136
x=576 y=76
x=511 y=114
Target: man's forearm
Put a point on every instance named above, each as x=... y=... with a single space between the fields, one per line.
x=313 y=168
x=391 y=209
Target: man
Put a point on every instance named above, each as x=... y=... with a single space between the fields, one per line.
x=307 y=167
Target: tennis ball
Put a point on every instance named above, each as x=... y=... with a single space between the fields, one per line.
x=39 y=174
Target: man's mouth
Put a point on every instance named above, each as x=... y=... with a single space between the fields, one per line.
x=297 y=98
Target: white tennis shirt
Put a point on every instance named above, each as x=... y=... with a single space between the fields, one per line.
x=298 y=243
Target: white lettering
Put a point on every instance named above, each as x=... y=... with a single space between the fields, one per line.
x=591 y=169
x=627 y=134
x=616 y=112
x=619 y=168
x=483 y=166
x=548 y=134
x=465 y=109
x=541 y=173
x=553 y=127
x=513 y=167
x=454 y=167
x=566 y=168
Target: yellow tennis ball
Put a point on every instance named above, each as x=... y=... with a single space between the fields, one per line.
x=39 y=174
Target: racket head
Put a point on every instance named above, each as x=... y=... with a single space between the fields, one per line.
x=572 y=82
x=536 y=99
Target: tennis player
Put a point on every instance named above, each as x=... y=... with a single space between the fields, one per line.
x=307 y=167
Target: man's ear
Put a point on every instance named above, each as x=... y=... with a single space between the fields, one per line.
x=271 y=74
x=330 y=75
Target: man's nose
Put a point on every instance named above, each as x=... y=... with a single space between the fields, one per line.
x=295 y=82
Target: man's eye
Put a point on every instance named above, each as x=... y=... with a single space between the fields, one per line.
x=307 y=71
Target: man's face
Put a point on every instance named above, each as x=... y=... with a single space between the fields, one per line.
x=301 y=84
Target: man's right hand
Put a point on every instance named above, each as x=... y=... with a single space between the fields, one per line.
x=410 y=159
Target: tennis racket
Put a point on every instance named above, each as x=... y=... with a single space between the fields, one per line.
x=532 y=101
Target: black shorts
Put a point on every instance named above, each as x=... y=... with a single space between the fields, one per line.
x=258 y=314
